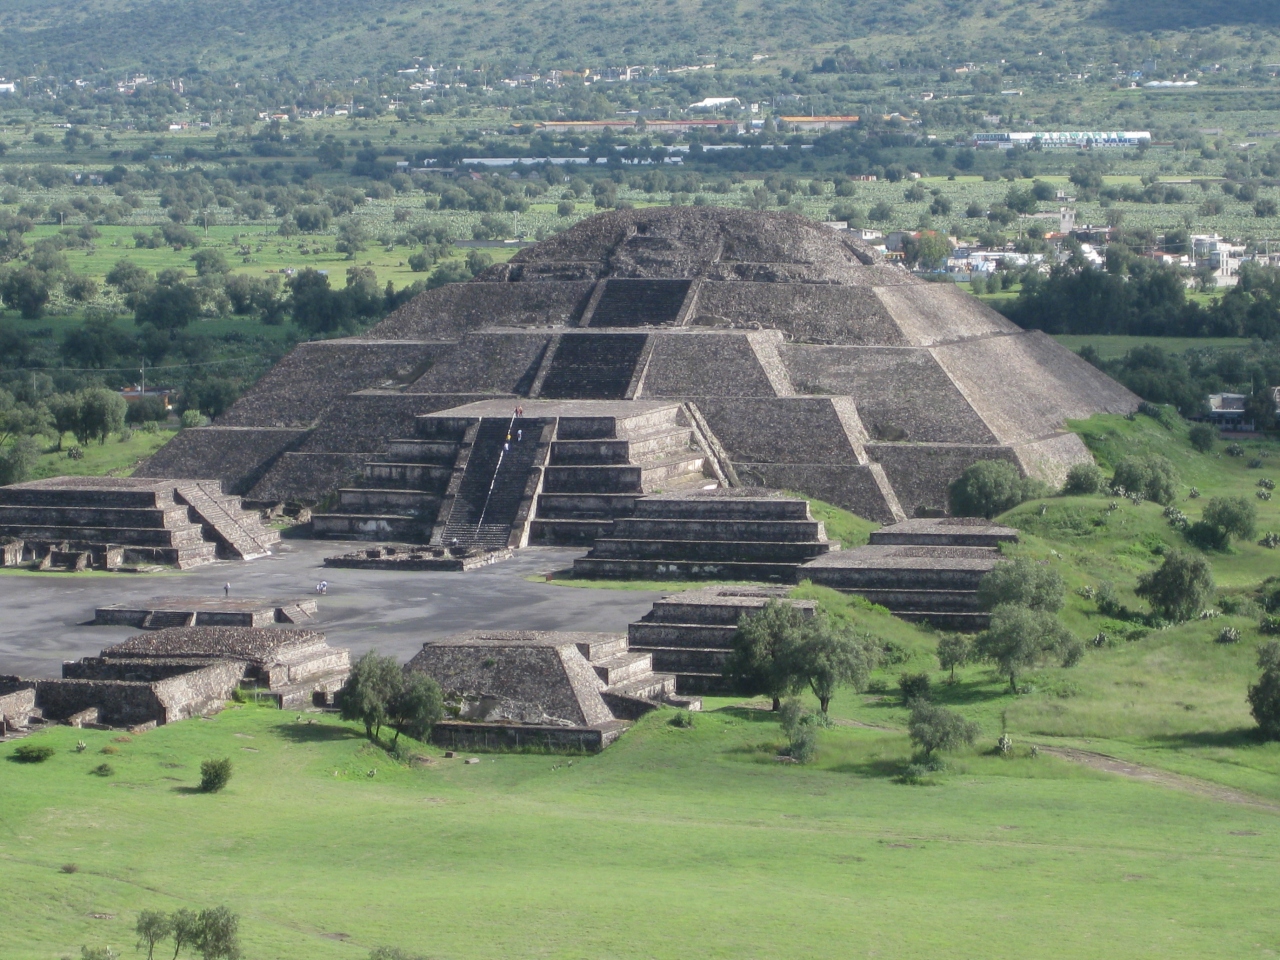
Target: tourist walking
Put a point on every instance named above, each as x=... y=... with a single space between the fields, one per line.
x=226 y=589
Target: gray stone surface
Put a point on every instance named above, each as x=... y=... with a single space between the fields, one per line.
x=48 y=616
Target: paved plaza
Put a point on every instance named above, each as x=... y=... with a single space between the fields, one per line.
x=46 y=617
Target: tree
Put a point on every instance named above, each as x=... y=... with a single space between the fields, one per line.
x=101 y=413
x=352 y=238
x=829 y=657
x=214 y=775
x=152 y=927
x=953 y=651
x=1083 y=478
x=64 y=408
x=1024 y=583
x=1152 y=476
x=1202 y=437
x=130 y=279
x=1020 y=638
x=914 y=686
x=989 y=487
x=1179 y=588
x=217 y=937
x=1264 y=696
x=764 y=652
x=19 y=419
x=27 y=291
x=184 y=927
x=1234 y=516
x=367 y=694
x=170 y=305
x=210 y=262
x=934 y=728
x=416 y=706
x=18 y=460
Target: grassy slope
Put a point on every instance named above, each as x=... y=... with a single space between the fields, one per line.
x=672 y=843
x=115 y=458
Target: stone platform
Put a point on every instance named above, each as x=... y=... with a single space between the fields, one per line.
x=550 y=689
x=403 y=557
x=739 y=534
x=691 y=634
x=922 y=570
x=205 y=612
x=107 y=521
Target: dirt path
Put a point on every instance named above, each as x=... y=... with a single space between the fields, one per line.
x=1163 y=778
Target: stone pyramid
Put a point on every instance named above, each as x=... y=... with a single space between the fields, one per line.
x=797 y=356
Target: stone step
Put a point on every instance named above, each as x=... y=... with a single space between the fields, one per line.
x=442 y=429
x=657 y=446
x=567 y=532
x=415 y=503
x=175 y=515
x=189 y=535
x=101 y=498
x=860 y=579
x=717 y=612
x=717 y=509
x=654 y=686
x=644 y=635
x=716 y=551
x=591 y=568
x=429 y=478
x=637 y=425
x=602 y=647
x=619 y=478
x=944 y=532
x=585 y=505
x=370 y=526
x=441 y=453
x=774 y=531
x=684 y=660
x=963 y=622
x=293 y=613
x=620 y=668
x=160 y=619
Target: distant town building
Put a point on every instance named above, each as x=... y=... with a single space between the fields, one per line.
x=1073 y=140
x=819 y=123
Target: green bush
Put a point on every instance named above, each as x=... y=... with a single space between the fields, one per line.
x=683 y=719
x=1083 y=479
x=1264 y=696
x=1179 y=588
x=32 y=753
x=1154 y=477
x=103 y=770
x=914 y=686
x=934 y=728
x=192 y=418
x=1024 y=583
x=214 y=775
x=989 y=487
x=1202 y=437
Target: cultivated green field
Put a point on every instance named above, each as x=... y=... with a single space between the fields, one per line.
x=1110 y=347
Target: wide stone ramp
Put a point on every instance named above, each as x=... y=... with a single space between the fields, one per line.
x=494 y=482
x=737 y=535
x=593 y=366
x=638 y=303
x=691 y=634
x=924 y=570
x=240 y=533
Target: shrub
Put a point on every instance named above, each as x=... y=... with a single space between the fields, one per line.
x=75 y=453
x=1024 y=583
x=953 y=651
x=682 y=719
x=989 y=487
x=1264 y=696
x=1152 y=476
x=1020 y=638
x=70 y=868
x=1083 y=478
x=1227 y=635
x=1235 y=516
x=1269 y=625
x=1178 y=588
x=802 y=738
x=1234 y=450
x=109 y=750
x=914 y=686
x=192 y=418
x=32 y=753
x=214 y=775
x=1202 y=437
x=103 y=770
x=935 y=728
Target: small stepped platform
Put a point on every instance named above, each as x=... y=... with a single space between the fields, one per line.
x=925 y=571
x=206 y=612
x=726 y=535
x=691 y=634
x=404 y=557
x=116 y=520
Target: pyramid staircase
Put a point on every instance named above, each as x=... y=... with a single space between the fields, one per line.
x=400 y=493
x=708 y=537
x=924 y=570
x=239 y=533
x=632 y=688
x=691 y=634
x=598 y=467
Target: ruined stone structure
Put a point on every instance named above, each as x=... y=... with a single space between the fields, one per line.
x=181 y=672
x=558 y=690
x=650 y=350
x=205 y=612
x=79 y=522
x=17 y=707
x=691 y=634
x=925 y=570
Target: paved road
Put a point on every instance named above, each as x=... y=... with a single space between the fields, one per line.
x=44 y=619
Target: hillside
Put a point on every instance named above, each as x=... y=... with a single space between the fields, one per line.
x=320 y=38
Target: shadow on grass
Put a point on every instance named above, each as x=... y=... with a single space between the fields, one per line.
x=317 y=732
x=748 y=714
x=186 y=791
x=883 y=768
x=1240 y=737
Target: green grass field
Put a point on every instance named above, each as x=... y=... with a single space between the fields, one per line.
x=1112 y=347
x=697 y=841
x=672 y=843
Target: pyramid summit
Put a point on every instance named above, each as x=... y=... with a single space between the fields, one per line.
x=657 y=349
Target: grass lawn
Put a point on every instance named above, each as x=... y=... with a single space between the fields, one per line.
x=115 y=458
x=1109 y=348
x=672 y=843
